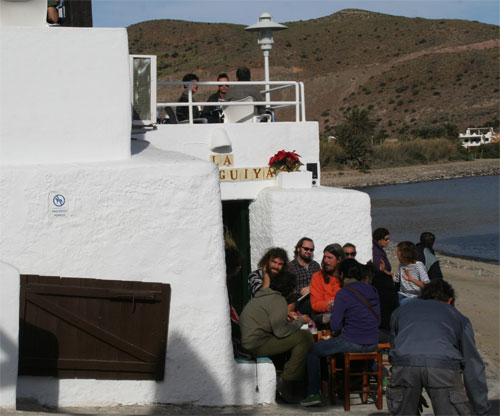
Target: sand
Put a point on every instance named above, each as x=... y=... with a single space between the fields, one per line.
x=409 y=174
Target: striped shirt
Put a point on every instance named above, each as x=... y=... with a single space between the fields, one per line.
x=417 y=271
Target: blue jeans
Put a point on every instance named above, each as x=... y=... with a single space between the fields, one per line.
x=324 y=349
x=403 y=299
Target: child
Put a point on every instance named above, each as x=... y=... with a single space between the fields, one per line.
x=412 y=274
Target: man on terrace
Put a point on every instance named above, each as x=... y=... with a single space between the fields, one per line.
x=213 y=113
x=432 y=347
x=303 y=267
x=183 y=112
x=238 y=92
x=267 y=331
x=272 y=263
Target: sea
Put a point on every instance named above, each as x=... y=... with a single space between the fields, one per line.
x=462 y=213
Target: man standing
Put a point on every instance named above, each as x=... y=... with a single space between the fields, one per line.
x=432 y=347
x=303 y=267
x=266 y=330
x=238 y=92
x=272 y=263
x=213 y=113
x=183 y=112
x=427 y=255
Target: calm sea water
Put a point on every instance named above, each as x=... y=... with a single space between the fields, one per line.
x=462 y=213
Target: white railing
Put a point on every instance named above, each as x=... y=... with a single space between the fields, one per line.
x=298 y=102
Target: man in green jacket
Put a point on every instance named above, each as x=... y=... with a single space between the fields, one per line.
x=268 y=329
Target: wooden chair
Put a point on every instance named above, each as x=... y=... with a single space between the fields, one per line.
x=365 y=373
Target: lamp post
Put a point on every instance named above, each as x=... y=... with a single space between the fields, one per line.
x=265 y=26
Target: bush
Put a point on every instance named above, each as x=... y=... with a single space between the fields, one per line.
x=332 y=154
x=413 y=152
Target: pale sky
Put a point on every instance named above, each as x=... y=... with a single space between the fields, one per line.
x=118 y=13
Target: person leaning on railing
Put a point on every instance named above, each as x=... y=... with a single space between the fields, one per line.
x=183 y=112
x=238 y=92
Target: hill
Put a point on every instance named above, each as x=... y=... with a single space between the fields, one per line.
x=409 y=72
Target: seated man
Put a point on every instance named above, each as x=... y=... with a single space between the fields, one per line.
x=303 y=267
x=325 y=284
x=238 y=92
x=272 y=263
x=432 y=347
x=356 y=313
x=266 y=330
x=213 y=113
x=183 y=112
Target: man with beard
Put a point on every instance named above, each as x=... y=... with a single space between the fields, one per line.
x=271 y=264
x=303 y=267
x=326 y=283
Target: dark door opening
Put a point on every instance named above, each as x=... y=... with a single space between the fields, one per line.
x=236 y=222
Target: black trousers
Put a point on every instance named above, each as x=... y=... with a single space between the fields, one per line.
x=444 y=387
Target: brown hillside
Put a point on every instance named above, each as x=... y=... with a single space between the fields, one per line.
x=409 y=72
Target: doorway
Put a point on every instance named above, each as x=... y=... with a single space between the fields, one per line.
x=236 y=223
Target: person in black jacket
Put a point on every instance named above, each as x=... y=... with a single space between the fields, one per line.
x=427 y=255
x=432 y=347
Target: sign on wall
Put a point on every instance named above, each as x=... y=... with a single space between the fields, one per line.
x=58 y=204
x=228 y=173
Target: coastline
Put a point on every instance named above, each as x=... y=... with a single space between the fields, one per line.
x=409 y=174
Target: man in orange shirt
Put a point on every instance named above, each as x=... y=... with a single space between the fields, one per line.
x=325 y=283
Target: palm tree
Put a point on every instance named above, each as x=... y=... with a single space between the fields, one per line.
x=358 y=123
x=355 y=135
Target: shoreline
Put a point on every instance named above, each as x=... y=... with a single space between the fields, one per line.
x=410 y=174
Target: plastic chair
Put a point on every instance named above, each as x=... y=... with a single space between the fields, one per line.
x=243 y=113
x=365 y=373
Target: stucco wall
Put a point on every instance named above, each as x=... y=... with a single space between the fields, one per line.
x=154 y=218
x=64 y=95
x=253 y=144
x=9 y=329
x=280 y=217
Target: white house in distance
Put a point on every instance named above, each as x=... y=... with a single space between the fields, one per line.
x=80 y=199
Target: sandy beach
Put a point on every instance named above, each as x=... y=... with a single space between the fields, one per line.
x=409 y=174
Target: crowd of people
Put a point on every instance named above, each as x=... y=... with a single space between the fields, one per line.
x=213 y=114
x=432 y=343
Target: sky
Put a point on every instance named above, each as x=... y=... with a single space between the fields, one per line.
x=122 y=13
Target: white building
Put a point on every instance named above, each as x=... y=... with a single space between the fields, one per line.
x=149 y=210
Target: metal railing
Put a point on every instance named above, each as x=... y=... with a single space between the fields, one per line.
x=298 y=103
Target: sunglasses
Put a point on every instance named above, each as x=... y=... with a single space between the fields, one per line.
x=352 y=254
x=308 y=249
x=387 y=239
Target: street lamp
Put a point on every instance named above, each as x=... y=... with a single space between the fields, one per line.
x=265 y=26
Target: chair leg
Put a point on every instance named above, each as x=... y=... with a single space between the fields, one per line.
x=366 y=383
x=347 y=382
x=333 y=384
x=379 y=381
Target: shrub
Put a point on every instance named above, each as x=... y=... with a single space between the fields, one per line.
x=331 y=153
x=413 y=152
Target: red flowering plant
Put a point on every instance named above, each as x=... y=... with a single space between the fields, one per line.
x=285 y=161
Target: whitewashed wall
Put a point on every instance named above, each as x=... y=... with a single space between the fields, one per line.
x=9 y=330
x=155 y=218
x=28 y=13
x=280 y=217
x=252 y=146
x=65 y=95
